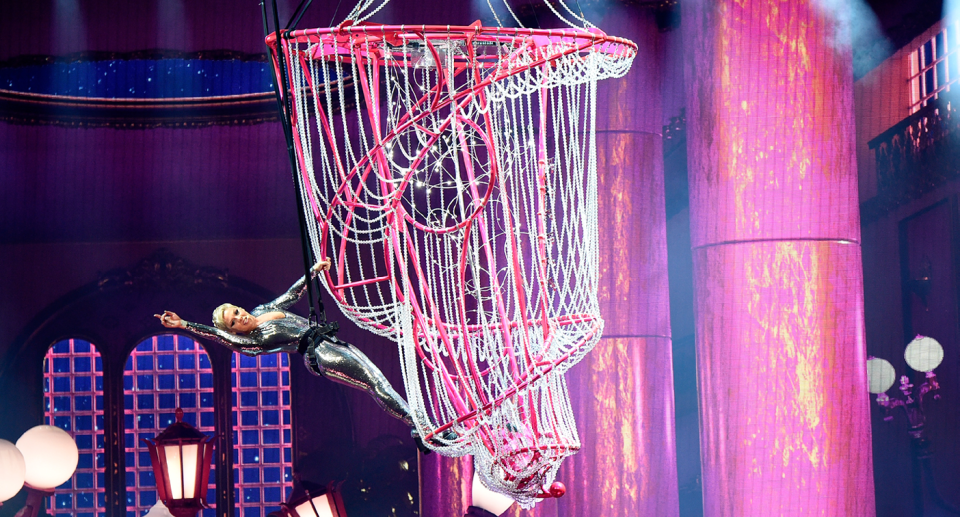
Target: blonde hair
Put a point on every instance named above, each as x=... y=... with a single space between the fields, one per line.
x=218 y=317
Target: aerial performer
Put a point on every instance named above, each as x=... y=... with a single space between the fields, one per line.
x=271 y=328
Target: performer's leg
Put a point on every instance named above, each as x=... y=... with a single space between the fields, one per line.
x=346 y=364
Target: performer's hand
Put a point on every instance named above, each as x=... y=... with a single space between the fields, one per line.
x=170 y=320
x=323 y=265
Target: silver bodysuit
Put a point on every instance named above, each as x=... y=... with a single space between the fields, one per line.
x=325 y=355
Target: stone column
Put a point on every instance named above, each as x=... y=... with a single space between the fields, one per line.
x=775 y=231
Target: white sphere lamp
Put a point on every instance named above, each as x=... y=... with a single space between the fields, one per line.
x=923 y=354
x=50 y=455
x=880 y=375
x=12 y=470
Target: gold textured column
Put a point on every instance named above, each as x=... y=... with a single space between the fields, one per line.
x=778 y=282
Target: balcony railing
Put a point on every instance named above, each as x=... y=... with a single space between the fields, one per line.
x=915 y=156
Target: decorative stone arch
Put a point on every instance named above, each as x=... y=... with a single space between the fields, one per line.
x=115 y=313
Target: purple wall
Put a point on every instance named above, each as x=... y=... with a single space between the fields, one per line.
x=83 y=185
x=66 y=26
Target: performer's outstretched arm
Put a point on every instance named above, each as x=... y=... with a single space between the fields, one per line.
x=237 y=342
x=296 y=291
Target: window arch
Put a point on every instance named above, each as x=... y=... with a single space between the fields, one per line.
x=73 y=401
x=934 y=66
x=169 y=371
x=123 y=301
x=163 y=373
x=262 y=432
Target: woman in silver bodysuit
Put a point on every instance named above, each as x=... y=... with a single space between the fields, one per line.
x=270 y=328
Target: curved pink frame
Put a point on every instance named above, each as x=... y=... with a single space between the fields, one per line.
x=356 y=43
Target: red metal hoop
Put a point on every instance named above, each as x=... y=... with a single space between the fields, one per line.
x=488 y=318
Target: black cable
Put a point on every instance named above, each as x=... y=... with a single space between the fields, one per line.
x=295 y=17
x=335 y=11
x=285 y=107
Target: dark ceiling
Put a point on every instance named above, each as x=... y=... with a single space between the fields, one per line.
x=903 y=20
x=899 y=22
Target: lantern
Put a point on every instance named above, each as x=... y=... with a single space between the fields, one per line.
x=325 y=502
x=181 y=463
x=923 y=354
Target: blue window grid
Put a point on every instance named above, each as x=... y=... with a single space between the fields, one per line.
x=155 y=384
x=261 y=437
x=69 y=364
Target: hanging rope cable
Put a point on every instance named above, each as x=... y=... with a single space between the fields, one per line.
x=284 y=107
x=506 y=3
x=490 y=5
x=580 y=17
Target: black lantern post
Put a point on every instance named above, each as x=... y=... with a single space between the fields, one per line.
x=325 y=502
x=181 y=463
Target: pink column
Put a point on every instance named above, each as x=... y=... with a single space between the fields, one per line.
x=775 y=230
x=622 y=391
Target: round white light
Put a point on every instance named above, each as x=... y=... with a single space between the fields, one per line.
x=50 y=455
x=923 y=354
x=12 y=470
x=880 y=375
x=487 y=499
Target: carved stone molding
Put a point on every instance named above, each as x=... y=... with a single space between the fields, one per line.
x=163 y=270
x=193 y=109
x=149 y=54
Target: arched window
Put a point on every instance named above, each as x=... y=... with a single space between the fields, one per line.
x=82 y=385
x=161 y=374
x=169 y=371
x=73 y=401
x=262 y=433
